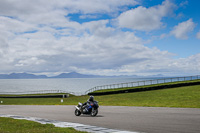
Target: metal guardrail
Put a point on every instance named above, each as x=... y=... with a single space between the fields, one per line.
x=142 y=83
x=36 y=92
x=43 y=92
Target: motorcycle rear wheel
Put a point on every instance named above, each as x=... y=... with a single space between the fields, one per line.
x=77 y=112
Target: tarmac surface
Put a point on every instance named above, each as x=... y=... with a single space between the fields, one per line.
x=135 y=119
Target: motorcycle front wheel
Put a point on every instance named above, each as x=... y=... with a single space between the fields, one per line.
x=77 y=112
x=94 y=112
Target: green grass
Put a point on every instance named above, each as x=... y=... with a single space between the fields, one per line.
x=185 y=97
x=154 y=85
x=43 y=101
x=10 y=125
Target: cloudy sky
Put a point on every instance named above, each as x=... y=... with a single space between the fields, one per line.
x=105 y=37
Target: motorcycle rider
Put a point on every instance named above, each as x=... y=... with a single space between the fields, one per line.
x=86 y=104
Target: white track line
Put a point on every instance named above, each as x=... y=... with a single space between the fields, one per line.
x=77 y=126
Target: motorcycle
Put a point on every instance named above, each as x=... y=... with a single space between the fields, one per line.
x=89 y=109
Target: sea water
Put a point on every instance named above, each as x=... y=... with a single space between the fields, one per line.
x=76 y=85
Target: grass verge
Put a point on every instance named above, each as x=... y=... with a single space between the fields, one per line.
x=147 y=86
x=10 y=125
x=184 y=97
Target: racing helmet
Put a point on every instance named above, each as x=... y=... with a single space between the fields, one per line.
x=91 y=98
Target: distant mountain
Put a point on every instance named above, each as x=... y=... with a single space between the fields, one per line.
x=65 y=75
x=75 y=75
x=21 y=76
x=4 y=76
x=32 y=76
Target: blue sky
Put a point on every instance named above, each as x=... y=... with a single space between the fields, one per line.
x=181 y=47
x=105 y=37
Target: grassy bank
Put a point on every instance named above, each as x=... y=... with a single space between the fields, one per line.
x=9 y=125
x=166 y=85
x=185 y=97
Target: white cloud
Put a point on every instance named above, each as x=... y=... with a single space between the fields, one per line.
x=198 y=35
x=188 y=65
x=182 y=29
x=184 y=3
x=146 y=19
x=29 y=7
x=97 y=47
x=42 y=38
x=99 y=6
x=15 y=26
x=88 y=16
x=30 y=61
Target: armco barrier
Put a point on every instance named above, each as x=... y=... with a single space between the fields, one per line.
x=159 y=87
x=37 y=96
x=142 y=83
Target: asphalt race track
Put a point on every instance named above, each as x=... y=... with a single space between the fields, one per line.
x=136 y=119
